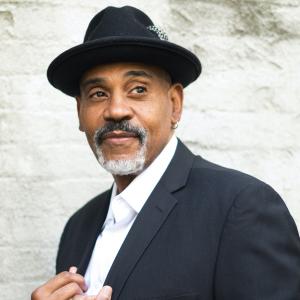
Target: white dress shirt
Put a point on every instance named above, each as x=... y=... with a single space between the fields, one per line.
x=122 y=212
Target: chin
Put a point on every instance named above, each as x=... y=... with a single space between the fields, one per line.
x=122 y=166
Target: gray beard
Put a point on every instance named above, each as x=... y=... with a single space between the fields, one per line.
x=121 y=167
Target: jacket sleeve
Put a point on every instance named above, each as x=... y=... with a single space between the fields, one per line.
x=259 y=252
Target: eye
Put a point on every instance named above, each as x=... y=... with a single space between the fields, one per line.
x=139 y=90
x=98 y=95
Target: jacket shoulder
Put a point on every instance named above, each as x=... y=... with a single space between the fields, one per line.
x=221 y=175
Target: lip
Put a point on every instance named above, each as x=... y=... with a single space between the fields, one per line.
x=119 y=137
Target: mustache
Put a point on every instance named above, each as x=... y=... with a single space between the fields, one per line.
x=123 y=125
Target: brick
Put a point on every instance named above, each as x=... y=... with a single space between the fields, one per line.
x=241 y=130
x=32 y=269
x=33 y=93
x=6 y=23
x=49 y=161
x=55 y=128
x=20 y=290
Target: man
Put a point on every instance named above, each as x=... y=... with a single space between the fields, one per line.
x=173 y=226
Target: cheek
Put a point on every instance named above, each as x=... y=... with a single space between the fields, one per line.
x=90 y=118
x=158 y=125
x=89 y=122
x=161 y=118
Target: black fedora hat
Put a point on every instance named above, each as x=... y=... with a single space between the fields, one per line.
x=123 y=34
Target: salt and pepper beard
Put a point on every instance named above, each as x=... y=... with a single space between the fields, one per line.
x=121 y=167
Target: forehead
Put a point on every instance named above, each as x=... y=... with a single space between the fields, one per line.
x=124 y=70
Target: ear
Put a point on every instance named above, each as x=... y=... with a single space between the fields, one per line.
x=176 y=96
x=78 y=101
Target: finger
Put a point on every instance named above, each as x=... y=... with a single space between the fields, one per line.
x=105 y=293
x=63 y=279
x=84 y=297
x=73 y=270
x=66 y=292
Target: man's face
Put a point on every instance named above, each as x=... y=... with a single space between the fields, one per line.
x=127 y=111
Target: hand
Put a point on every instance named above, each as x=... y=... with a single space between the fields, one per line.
x=104 y=294
x=63 y=286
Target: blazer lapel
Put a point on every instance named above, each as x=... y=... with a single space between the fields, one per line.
x=152 y=216
x=91 y=230
x=146 y=225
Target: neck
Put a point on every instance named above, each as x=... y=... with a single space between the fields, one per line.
x=123 y=181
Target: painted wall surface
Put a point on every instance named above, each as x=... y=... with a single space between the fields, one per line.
x=243 y=112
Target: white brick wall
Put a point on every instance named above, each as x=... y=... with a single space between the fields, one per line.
x=243 y=112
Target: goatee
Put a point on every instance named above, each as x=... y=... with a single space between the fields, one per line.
x=133 y=165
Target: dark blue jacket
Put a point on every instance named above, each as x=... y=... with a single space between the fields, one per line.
x=206 y=232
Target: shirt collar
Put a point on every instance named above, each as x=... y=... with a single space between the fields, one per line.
x=138 y=191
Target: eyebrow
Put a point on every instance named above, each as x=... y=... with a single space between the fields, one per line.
x=101 y=80
x=137 y=73
x=91 y=81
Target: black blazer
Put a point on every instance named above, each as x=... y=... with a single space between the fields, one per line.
x=206 y=232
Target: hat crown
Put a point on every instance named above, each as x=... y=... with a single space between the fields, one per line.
x=124 y=34
x=125 y=21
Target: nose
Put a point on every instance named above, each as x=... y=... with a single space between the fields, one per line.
x=117 y=109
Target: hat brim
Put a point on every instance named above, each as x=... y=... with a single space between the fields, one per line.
x=65 y=71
